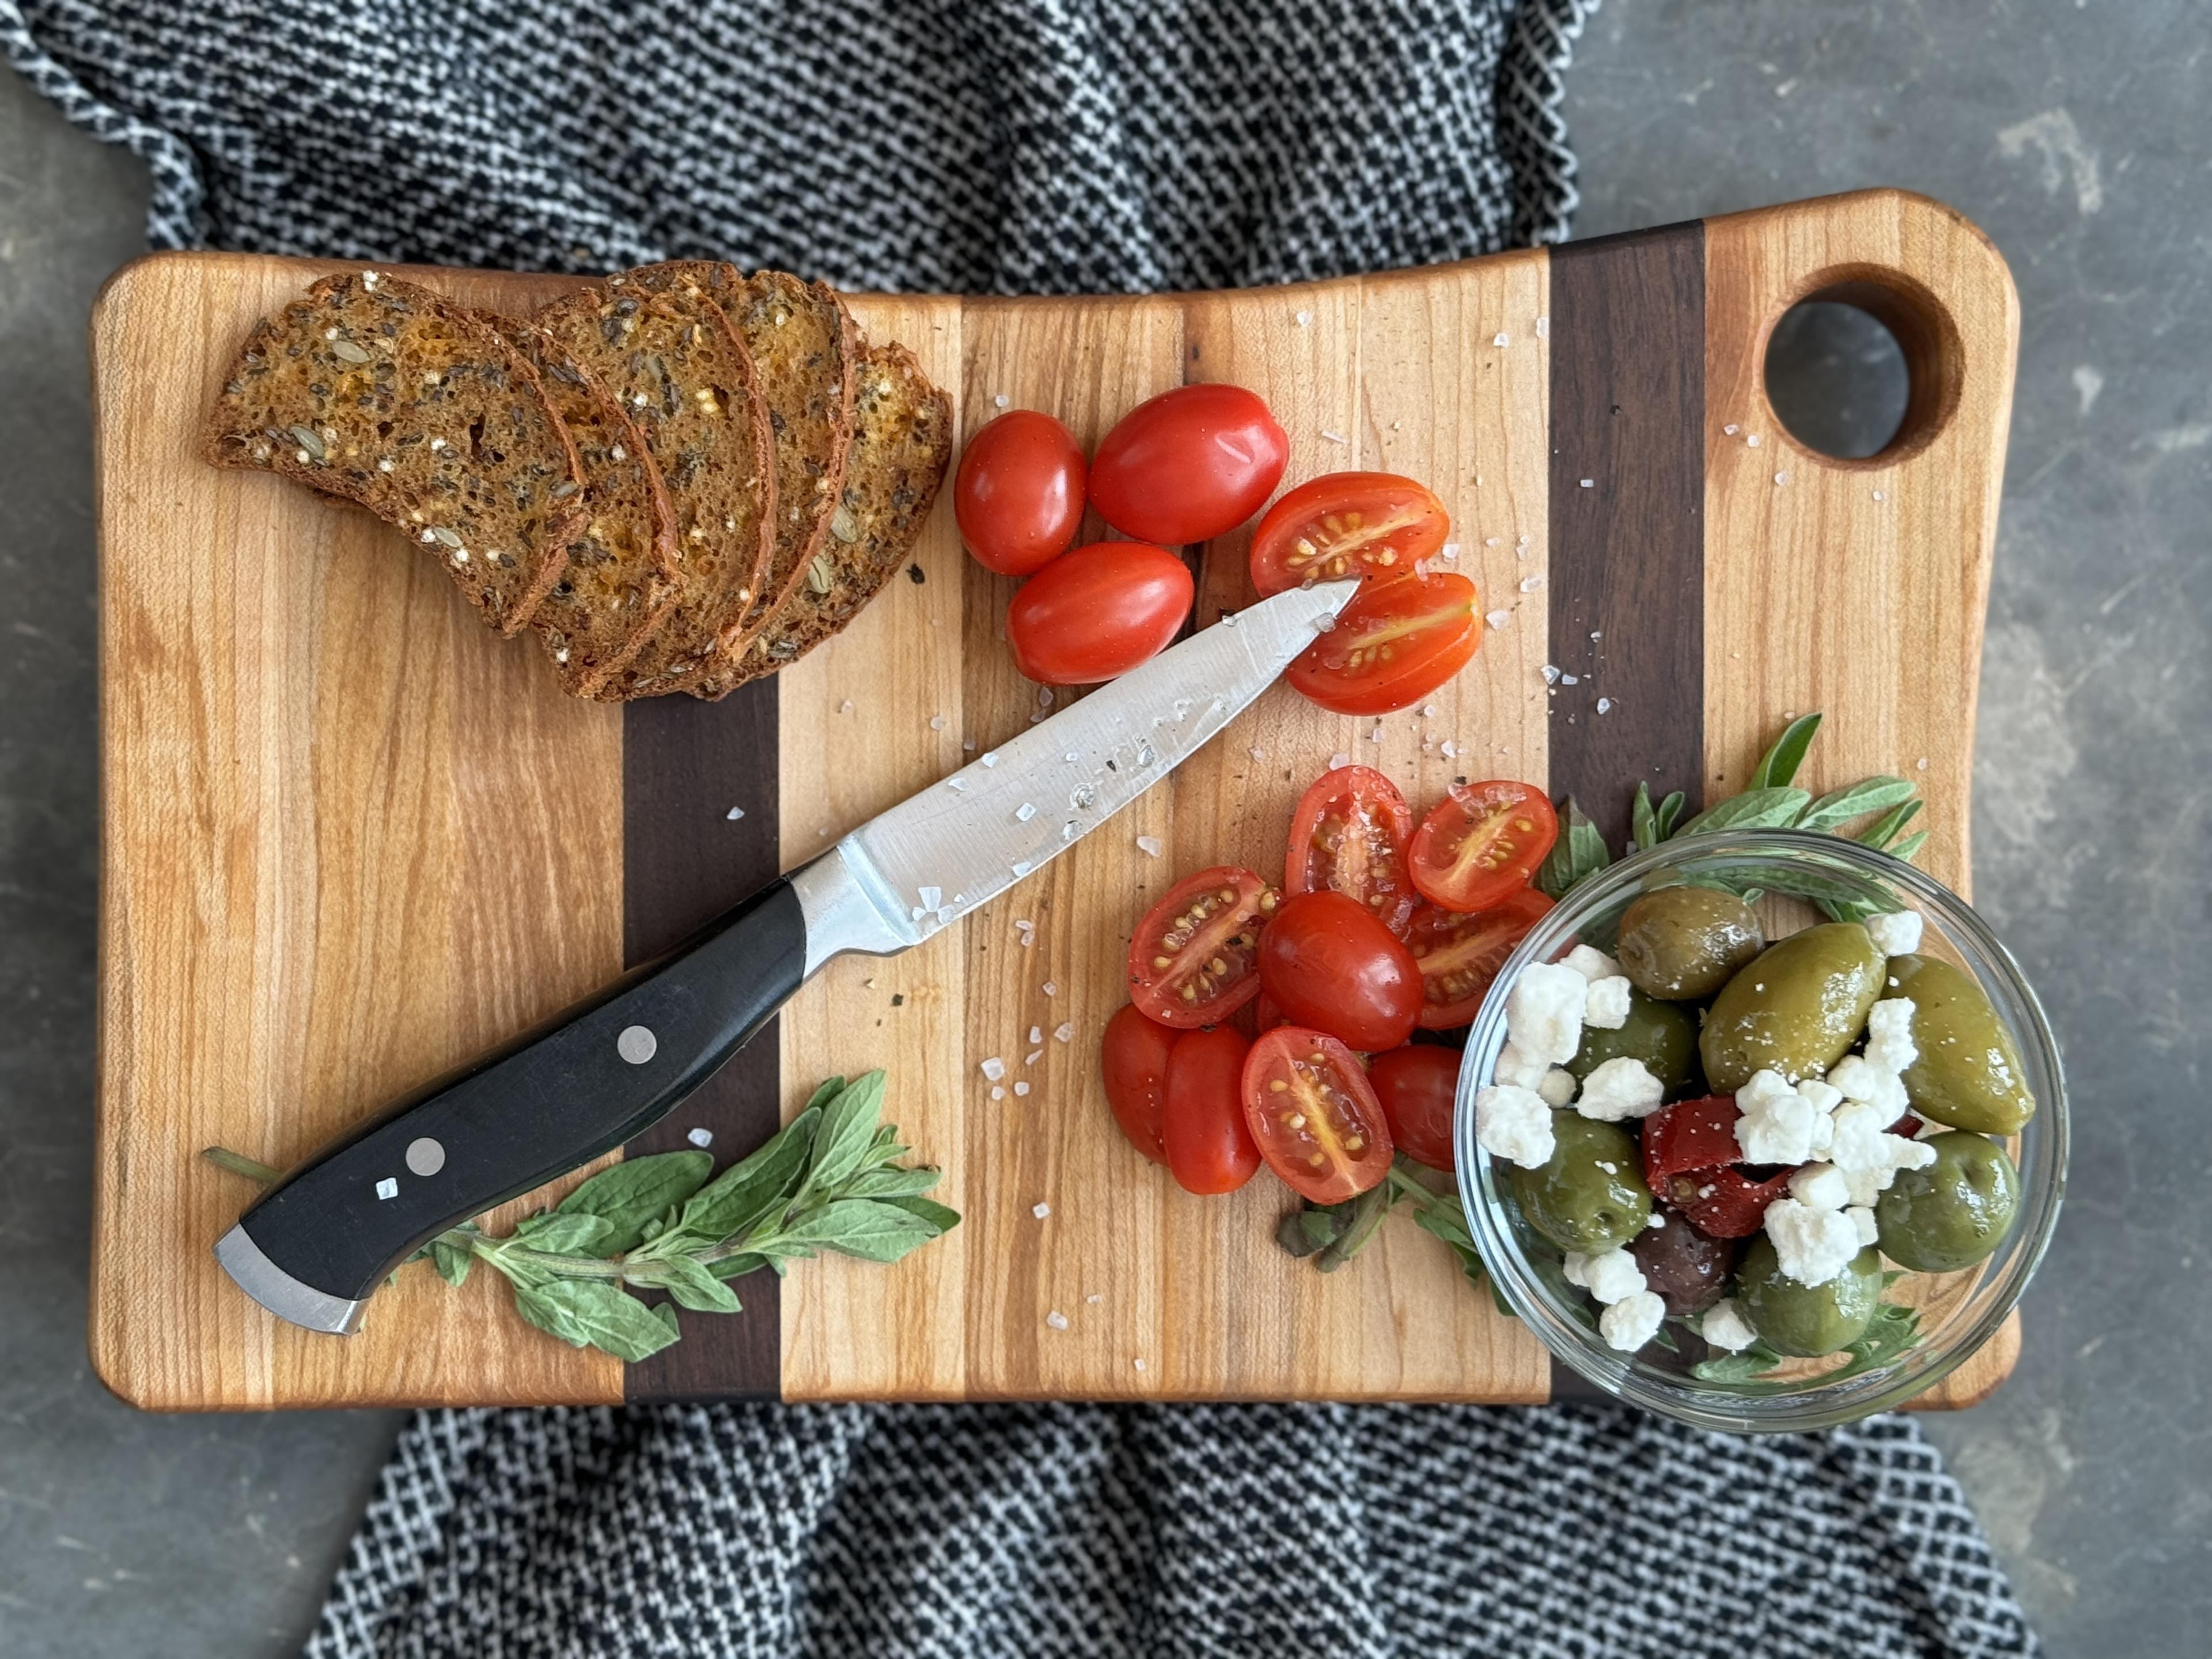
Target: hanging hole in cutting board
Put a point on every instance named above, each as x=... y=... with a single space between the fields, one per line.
x=1864 y=366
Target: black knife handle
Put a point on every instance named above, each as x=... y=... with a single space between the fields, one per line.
x=589 y=1080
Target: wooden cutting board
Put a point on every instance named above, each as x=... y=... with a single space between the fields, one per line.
x=350 y=839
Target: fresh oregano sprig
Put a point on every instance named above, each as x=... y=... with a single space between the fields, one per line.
x=829 y=1180
x=1332 y=1234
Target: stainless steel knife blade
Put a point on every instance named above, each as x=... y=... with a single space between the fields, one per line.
x=931 y=858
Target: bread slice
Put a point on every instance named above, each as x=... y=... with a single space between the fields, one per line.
x=621 y=580
x=379 y=392
x=683 y=376
x=803 y=342
x=902 y=440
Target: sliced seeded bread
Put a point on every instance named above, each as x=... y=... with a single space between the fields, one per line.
x=381 y=393
x=902 y=440
x=623 y=578
x=684 y=377
x=804 y=343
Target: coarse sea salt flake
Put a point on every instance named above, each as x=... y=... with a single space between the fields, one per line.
x=1065 y=1032
x=1340 y=758
x=1498 y=619
x=991 y=759
x=1605 y=705
x=1050 y=989
x=1057 y=1319
x=734 y=814
x=1024 y=813
x=1589 y=483
x=1449 y=550
x=1040 y=1211
x=930 y=898
x=1021 y=1088
x=937 y=722
x=1503 y=339
x=700 y=1137
x=1036 y=1034
x=1530 y=584
x=1149 y=845
x=994 y=1068
x=1335 y=437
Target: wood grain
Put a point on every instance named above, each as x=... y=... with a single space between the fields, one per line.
x=352 y=839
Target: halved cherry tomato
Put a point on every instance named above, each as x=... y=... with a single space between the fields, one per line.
x=1195 y=957
x=1098 y=612
x=1315 y=1115
x=1691 y=1134
x=1209 y=1144
x=1345 y=523
x=1399 y=640
x=1349 y=834
x=1483 y=844
x=1019 y=495
x=1418 y=1085
x=1133 y=1055
x=1724 y=1203
x=1459 y=955
x=1189 y=464
x=1330 y=964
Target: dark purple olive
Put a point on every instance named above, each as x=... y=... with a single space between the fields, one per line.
x=1681 y=1266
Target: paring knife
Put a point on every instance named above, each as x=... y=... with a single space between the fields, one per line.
x=317 y=1245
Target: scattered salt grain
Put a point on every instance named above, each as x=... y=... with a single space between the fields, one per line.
x=1550 y=675
x=932 y=897
x=1605 y=705
x=1783 y=476
x=700 y=1137
x=1149 y=845
x=1057 y=1319
x=1753 y=440
x=1375 y=736
x=1451 y=748
x=1449 y=551
x=1036 y=1034
x=955 y=784
x=1589 y=483
x=1731 y=428
x=1024 y=813
x=734 y=814
x=1530 y=584
x=1879 y=496
x=1041 y=1210
x=1920 y=765
x=1335 y=437
x=1065 y=1032
x=1543 y=328
x=1259 y=754
x=1498 y=619
x=1428 y=711
x=1571 y=679
x=1139 y=1363
x=1338 y=759
x=994 y=1068
x=1050 y=989
x=1502 y=340
x=998 y=1094
x=990 y=760
x=1305 y=319
x=1492 y=541
x=1000 y=401
x=846 y=707
x=937 y=722
x=1021 y=1088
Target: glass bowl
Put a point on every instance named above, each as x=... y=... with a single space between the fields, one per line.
x=1958 y=1311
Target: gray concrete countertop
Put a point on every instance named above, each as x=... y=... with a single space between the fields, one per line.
x=2075 y=136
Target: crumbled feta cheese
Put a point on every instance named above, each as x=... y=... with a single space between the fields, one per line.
x=1621 y=1087
x=1557 y=1086
x=1514 y=1124
x=1544 y=1013
x=1868 y=1185
x=1630 y=1323
x=1863 y=1081
x=1889 y=1046
x=1812 y=1246
x=1761 y=1087
x=1825 y=1096
x=1857 y=1145
x=1820 y=1187
x=1862 y=1217
x=1655 y=1222
x=1725 y=1326
x=1613 y=1276
x=1607 y=1007
x=1776 y=1127
x=1592 y=964
x=1897 y=935
x=1519 y=1070
x=1571 y=1269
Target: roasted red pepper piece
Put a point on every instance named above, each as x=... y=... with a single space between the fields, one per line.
x=1691 y=1134
x=1724 y=1202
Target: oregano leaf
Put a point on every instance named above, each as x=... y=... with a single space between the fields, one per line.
x=1579 y=853
x=629 y=1193
x=1780 y=763
x=1773 y=808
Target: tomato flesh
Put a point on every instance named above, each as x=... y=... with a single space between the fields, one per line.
x=1483 y=844
x=1398 y=641
x=1098 y=612
x=1189 y=464
x=1019 y=495
x=1208 y=1143
x=1315 y=1115
x=1691 y=1134
x=1345 y=523
x=1418 y=1088
x=1133 y=1057
x=1459 y=955
x=1330 y=964
x=1193 y=959
x=1349 y=836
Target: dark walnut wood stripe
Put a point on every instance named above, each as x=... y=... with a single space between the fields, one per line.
x=1627 y=514
x=685 y=765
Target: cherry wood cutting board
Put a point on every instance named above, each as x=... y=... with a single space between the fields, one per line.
x=350 y=839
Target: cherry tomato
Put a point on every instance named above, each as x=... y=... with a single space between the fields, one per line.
x=1209 y=1144
x=1195 y=957
x=1398 y=641
x=1349 y=836
x=1328 y=964
x=1315 y=1115
x=1483 y=844
x=1345 y=523
x=1725 y=1203
x=1266 y=1016
x=1098 y=612
x=1459 y=955
x=1691 y=1134
x=1133 y=1055
x=1019 y=495
x=1418 y=1085
x=1189 y=464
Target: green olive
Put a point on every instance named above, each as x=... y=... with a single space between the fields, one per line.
x=1662 y=1034
x=1795 y=1009
x=1806 y=1321
x=1969 y=1074
x=1591 y=1195
x=1682 y=942
x=1953 y=1212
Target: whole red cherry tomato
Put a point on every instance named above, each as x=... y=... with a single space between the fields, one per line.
x=1188 y=466
x=1133 y=1055
x=1418 y=1085
x=1399 y=640
x=1209 y=1144
x=1019 y=495
x=1193 y=959
x=1483 y=844
x=1098 y=612
x=1328 y=964
x=1459 y=955
x=1315 y=1115
x=1349 y=834
x=1345 y=523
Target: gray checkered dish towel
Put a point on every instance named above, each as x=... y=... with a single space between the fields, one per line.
x=993 y=145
